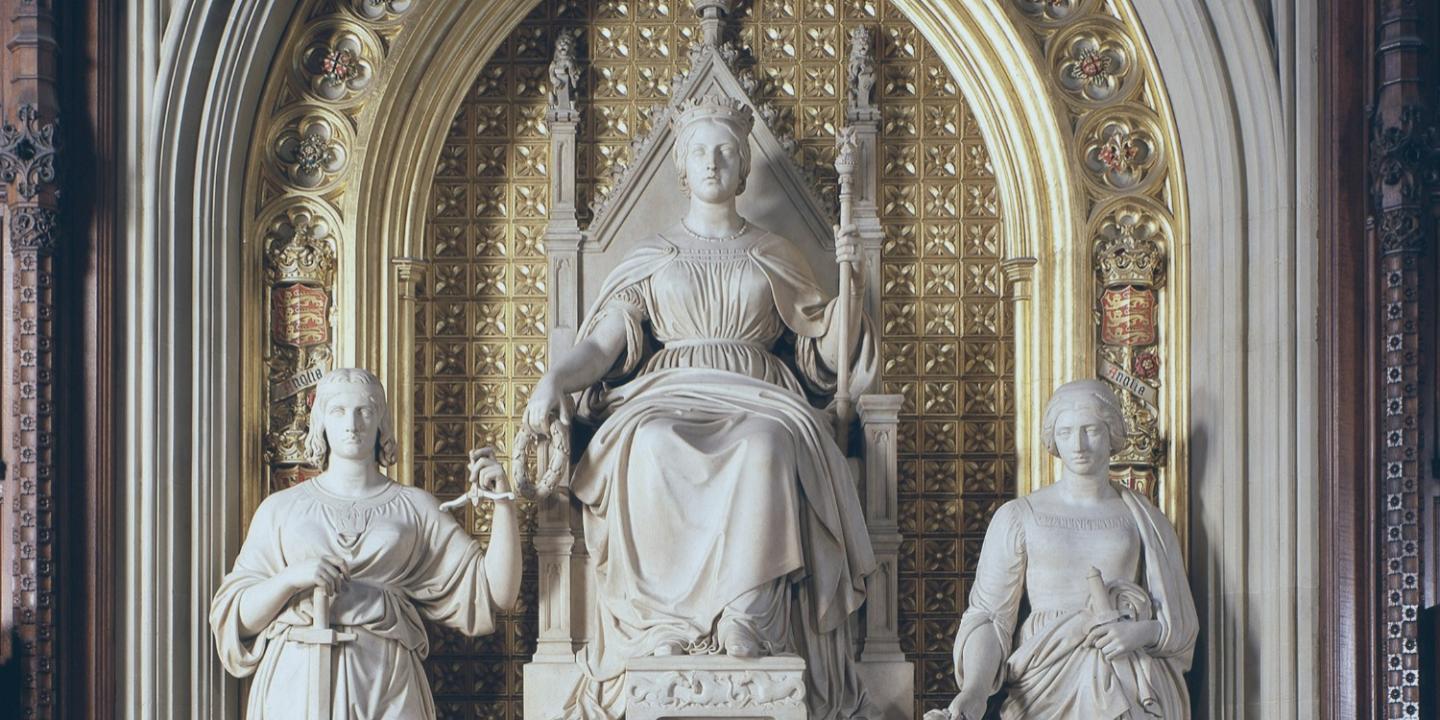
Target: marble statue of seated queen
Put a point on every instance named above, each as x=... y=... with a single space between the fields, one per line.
x=323 y=607
x=1111 y=625
x=718 y=510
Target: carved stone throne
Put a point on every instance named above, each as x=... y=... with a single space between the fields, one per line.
x=781 y=198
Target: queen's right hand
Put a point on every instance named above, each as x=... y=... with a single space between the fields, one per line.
x=546 y=399
x=963 y=707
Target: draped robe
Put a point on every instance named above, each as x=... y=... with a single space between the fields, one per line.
x=712 y=484
x=407 y=560
x=1049 y=671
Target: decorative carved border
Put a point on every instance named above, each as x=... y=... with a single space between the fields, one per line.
x=1405 y=187
x=29 y=148
x=1124 y=148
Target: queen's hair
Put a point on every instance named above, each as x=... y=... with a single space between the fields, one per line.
x=317 y=447
x=1091 y=394
x=732 y=115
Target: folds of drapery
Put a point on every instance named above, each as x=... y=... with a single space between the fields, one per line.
x=1050 y=674
x=801 y=303
x=720 y=431
x=995 y=596
x=410 y=561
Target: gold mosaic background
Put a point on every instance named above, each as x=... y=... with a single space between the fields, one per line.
x=947 y=334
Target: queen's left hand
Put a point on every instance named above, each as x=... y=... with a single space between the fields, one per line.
x=1117 y=638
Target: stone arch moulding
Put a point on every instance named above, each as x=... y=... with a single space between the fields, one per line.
x=1066 y=96
x=193 y=84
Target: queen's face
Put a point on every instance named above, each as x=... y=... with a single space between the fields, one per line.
x=352 y=424
x=1083 y=441
x=712 y=162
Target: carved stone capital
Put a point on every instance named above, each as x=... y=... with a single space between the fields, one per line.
x=1401 y=230
x=27 y=152
x=409 y=271
x=34 y=229
x=1020 y=269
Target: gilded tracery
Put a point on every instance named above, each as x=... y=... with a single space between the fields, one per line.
x=950 y=336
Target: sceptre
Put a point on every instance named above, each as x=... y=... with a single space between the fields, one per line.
x=845 y=169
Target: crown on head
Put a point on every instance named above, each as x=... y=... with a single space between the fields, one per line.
x=715 y=107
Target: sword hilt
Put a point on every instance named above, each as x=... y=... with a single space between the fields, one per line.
x=320 y=601
x=319 y=631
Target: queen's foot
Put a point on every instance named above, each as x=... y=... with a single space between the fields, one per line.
x=738 y=638
x=669 y=648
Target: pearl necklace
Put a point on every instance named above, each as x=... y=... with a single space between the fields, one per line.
x=744 y=225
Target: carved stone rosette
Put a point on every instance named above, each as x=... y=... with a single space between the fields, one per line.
x=1120 y=147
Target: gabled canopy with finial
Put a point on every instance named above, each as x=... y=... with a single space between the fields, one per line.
x=779 y=195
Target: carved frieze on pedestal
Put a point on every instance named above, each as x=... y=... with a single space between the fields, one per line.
x=716 y=686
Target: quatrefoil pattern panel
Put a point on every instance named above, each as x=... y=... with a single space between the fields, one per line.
x=947 y=335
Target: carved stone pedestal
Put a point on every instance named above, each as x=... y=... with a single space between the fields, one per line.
x=547 y=686
x=890 y=686
x=715 y=686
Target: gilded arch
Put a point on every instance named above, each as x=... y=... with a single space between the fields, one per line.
x=1051 y=84
x=1218 y=59
x=1065 y=95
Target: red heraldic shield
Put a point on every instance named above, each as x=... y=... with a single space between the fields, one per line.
x=298 y=316
x=1128 y=317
